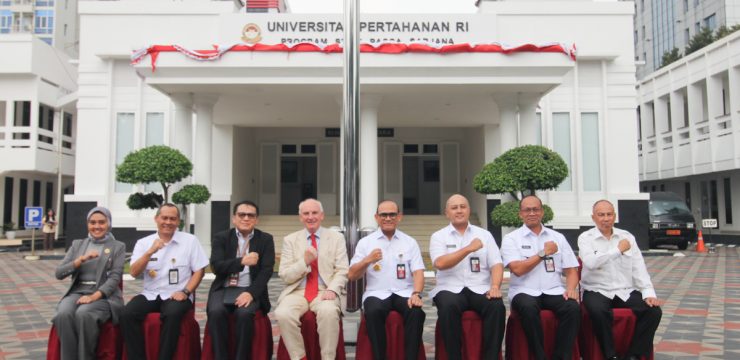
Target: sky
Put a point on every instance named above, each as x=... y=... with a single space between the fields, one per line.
x=385 y=6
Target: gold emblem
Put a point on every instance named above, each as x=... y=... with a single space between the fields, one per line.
x=152 y=273
x=251 y=33
x=107 y=251
x=376 y=266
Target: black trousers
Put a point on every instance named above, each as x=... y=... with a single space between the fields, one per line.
x=218 y=325
x=568 y=313
x=599 y=309
x=450 y=307
x=376 y=312
x=171 y=314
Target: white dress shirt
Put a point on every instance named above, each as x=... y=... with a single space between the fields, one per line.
x=244 y=279
x=609 y=272
x=183 y=253
x=401 y=249
x=448 y=240
x=522 y=244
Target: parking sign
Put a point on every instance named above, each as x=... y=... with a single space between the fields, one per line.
x=33 y=216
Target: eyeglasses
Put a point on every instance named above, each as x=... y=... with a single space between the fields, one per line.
x=532 y=210
x=250 y=216
x=388 y=215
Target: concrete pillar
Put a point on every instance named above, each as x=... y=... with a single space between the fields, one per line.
x=508 y=122
x=202 y=163
x=181 y=126
x=529 y=128
x=368 y=158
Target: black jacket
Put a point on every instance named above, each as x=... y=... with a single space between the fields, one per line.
x=225 y=262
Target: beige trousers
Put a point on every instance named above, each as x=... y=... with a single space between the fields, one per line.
x=328 y=315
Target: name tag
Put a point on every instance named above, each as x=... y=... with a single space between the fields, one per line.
x=526 y=247
x=153 y=259
x=451 y=246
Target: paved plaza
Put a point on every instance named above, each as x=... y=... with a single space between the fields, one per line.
x=701 y=318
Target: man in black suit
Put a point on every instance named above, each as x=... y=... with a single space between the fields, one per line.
x=242 y=259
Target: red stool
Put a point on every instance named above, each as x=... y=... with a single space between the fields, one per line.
x=623 y=329
x=188 y=345
x=261 y=340
x=516 y=341
x=472 y=338
x=110 y=343
x=394 y=337
x=311 y=340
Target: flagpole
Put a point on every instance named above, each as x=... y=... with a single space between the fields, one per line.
x=350 y=133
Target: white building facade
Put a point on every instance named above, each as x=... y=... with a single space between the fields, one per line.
x=264 y=125
x=690 y=141
x=38 y=87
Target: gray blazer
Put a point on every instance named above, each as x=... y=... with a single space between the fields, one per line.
x=109 y=272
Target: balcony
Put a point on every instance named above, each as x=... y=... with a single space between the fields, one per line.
x=23 y=148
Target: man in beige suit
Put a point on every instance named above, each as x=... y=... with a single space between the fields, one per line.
x=314 y=280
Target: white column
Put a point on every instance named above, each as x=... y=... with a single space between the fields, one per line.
x=508 y=124
x=202 y=163
x=181 y=126
x=529 y=127
x=369 y=158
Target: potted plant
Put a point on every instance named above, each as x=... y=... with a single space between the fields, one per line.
x=9 y=230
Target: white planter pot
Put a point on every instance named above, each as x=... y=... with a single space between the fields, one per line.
x=10 y=235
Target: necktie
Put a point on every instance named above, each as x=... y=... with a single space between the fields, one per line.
x=312 y=279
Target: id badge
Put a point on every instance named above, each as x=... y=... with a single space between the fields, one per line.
x=475 y=264
x=233 y=280
x=174 y=276
x=549 y=264
x=400 y=271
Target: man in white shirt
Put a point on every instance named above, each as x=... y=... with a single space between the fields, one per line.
x=469 y=276
x=395 y=278
x=172 y=263
x=615 y=276
x=538 y=257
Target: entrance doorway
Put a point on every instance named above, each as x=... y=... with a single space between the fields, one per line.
x=421 y=185
x=297 y=182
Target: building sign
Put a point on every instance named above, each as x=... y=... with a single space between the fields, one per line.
x=386 y=132
x=331 y=132
x=291 y=29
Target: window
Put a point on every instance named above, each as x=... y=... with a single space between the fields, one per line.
x=685 y=5
x=49 y=195
x=696 y=3
x=725 y=102
x=561 y=144
x=6 y=20
x=8 y=200
x=687 y=192
x=685 y=110
x=590 y=151
x=711 y=22
x=697 y=28
x=2 y=113
x=668 y=112
x=686 y=36
x=643 y=32
x=44 y=22
x=124 y=143
x=308 y=149
x=22 y=113
x=65 y=29
x=154 y=128
x=67 y=126
x=728 y=200
x=290 y=149
x=22 y=201
x=635 y=36
x=662 y=187
x=36 y=193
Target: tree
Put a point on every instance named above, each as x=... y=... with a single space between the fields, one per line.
x=670 y=57
x=723 y=31
x=520 y=171
x=700 y=40
x=163 y=165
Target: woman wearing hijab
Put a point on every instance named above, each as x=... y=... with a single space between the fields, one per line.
x=94 y=297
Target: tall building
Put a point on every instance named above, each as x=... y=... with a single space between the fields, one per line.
x=38 y=84
x=661 y=25
x=52 y=21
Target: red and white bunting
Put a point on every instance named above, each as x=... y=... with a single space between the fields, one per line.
x=384 y=48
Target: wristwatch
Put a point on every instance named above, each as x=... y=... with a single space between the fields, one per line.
x=185 y=291
x=417 y=294
x=541 y=254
